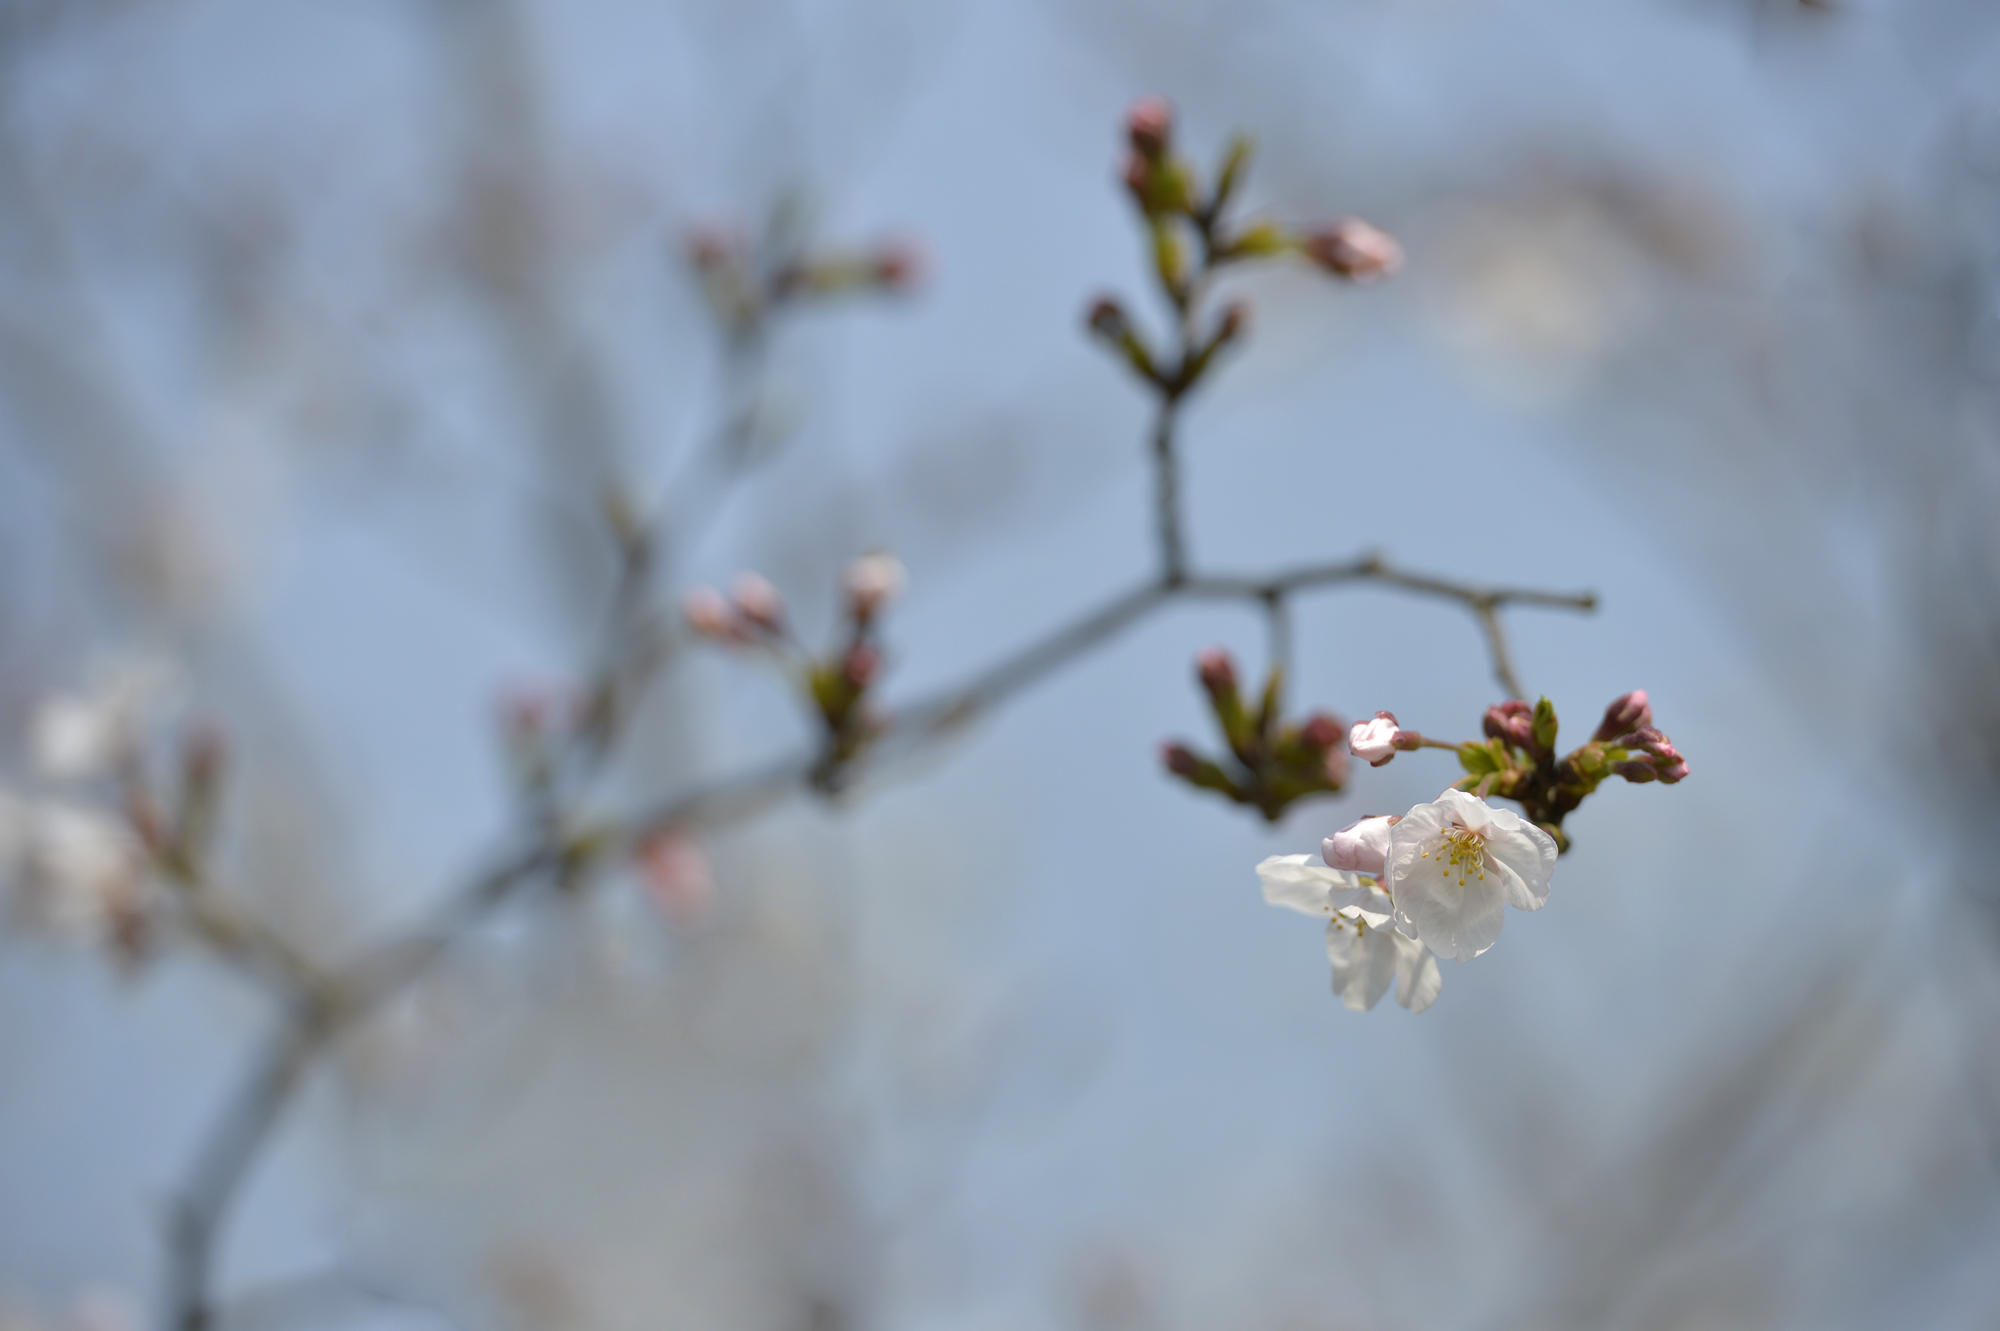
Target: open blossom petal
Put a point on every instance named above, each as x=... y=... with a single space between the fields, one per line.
x=1454 y=865
x=1301 y=883
x=1366 y=958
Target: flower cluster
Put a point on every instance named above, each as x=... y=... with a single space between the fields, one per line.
x=78 y=868
x=1403 y=891
x=1271 y=763
x=1400 y=891
x=837 y=683
x=1191 y=238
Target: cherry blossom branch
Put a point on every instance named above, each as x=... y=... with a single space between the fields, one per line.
x=226 y=1157
x=559 y=850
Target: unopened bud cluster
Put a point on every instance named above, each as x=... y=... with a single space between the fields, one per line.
x=743 y=283
x=1191 y=238
x=1271 y=763
x=1517 y=759
x=837 y=682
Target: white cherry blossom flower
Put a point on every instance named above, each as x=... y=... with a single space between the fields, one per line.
x=75 y=735
x=1367 y=953
x=1453 y=865
x=78 y=871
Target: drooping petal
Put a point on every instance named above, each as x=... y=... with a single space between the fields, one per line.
x=1299 y=883
x=1303 y=884
x=1418 y=979
x=1363 y=960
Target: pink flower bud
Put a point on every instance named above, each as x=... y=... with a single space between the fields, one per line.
x=861 y=665
x=1361 y=847
x=1352 y=249
x=1321 y=731
x=677 y=876
x=709 y=248
x=1179 y=759
x=1636 y=770
x=758 y=601
x=1651 y=741
x=1374 y=742
x=1674 y=770
x=1108 y=321
x=1150 y=125
x=710 y=614
x=1217 y=671
x=1626 y=714
x=1512 y=722
x=900 y=265
x=871 y=582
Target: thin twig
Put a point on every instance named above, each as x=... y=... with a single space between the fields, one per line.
x=1166 y=492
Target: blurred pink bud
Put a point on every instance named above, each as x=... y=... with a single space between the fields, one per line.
x=1627 y=714
x=1217 y=671
x=1374 y=742
x=1675 y=770
x=1149 y=125
x=1353 y=249
x=677 y=876
x=861 y=665
x=1107 y=319
x=1636 y=770
x=1179 y=759
x=758 y=601
x=1512 y=722
x=708 y=247
x=900 y=265
x=871 y=582
x=1321 y=731
x=709 y=613
x=1361 y=847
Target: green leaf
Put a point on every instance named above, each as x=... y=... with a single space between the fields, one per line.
x=1545 y=725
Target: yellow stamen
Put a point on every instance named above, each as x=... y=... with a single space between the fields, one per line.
x=1463 y=849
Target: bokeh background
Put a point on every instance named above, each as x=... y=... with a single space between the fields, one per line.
x=323 y=325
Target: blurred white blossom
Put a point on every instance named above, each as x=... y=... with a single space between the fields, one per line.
x=75 y=735
x=77 y=871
